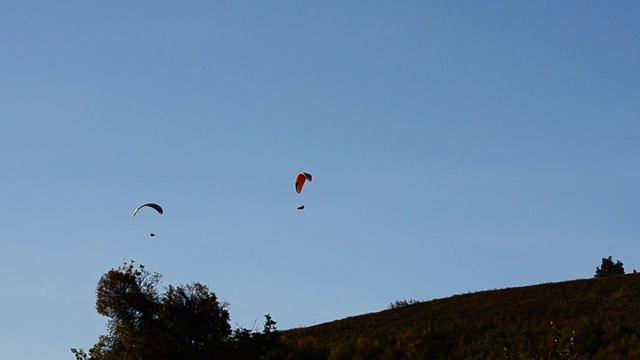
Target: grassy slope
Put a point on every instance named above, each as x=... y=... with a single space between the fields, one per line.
x=596 y=313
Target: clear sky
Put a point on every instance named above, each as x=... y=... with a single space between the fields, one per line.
x=455 y=147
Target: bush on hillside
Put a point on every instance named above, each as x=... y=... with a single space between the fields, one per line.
x=608 y=268
x=402 y=303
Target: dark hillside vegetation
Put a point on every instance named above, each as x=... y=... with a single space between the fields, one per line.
x=581 y=319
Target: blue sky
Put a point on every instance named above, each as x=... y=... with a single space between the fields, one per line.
x=455 y=147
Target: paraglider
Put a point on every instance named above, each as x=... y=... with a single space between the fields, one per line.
x=301 y=178
x=154 y=206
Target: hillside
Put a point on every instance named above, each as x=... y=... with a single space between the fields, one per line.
x=590 y=319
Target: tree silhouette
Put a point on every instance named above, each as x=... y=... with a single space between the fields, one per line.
x=185 y=322
x=608 y=268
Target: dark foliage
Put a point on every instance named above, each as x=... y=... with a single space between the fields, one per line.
x=402 y=303
x=186 y=322
x=252 y=345
x=609 y=268
x=583 y=319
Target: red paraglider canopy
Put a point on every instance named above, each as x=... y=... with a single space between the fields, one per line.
x=300 y=179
